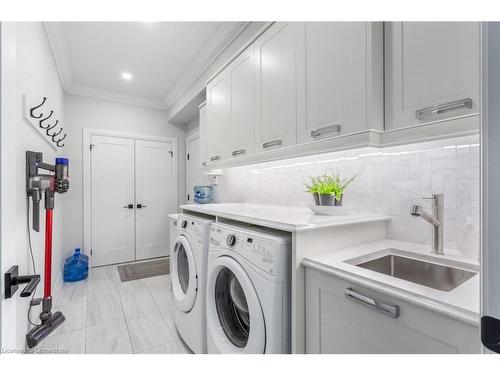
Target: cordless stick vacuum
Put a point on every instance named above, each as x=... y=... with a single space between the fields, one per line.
x=36 y=183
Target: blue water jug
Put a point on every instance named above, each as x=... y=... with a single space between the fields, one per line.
x=76 y=267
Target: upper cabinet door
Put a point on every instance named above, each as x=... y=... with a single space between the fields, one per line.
x=276 y=86
x=241 y=138
x=432 y=72
x=218 y=118
x=342 y=65
x=203 y=135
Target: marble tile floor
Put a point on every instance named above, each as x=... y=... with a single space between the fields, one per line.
x=106 y=316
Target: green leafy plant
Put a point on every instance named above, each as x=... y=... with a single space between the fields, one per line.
x=330 y=183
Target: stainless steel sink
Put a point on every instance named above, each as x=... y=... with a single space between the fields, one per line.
x=440 y=277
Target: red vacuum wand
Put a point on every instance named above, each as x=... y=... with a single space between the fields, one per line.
x=47 y=278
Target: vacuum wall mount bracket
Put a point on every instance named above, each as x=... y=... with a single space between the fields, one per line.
x=12 y=280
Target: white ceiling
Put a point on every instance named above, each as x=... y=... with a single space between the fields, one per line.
x=91 y=56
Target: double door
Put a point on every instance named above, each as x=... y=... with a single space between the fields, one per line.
x=132 y=193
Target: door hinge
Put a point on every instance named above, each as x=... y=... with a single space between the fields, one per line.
x=188 y=156
x=92 y=147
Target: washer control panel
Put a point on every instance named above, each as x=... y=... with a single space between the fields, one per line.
x=259 y=250
x=192 y=228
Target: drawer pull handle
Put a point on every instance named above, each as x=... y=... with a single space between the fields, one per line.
x=215 y=158
x=276 y=142
x=238 y=152
x=325 y=130
x=440 y=109
x=391 y=310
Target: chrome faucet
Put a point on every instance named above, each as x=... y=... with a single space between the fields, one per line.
x=436 y=219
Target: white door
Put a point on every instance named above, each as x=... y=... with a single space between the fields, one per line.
x=276 y=86
x=218 y=117
x=194 y=177
x=240 y=132
x=154 y=184
x=203 y=135
x=428 y=64
x=335 y=79
x=112 y=200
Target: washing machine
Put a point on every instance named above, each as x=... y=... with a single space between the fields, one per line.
x=188 y=266
x=248 y=290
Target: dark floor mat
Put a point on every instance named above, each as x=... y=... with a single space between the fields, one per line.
x=143 y=270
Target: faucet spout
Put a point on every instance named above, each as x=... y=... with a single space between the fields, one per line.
x=436 y=220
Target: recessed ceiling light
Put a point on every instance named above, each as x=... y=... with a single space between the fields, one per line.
x=126 y=76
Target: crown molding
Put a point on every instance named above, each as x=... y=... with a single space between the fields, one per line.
x=218 y=43
x=97 y=93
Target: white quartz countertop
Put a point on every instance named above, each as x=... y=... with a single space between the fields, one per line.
x=461 y=303
x=291 y=219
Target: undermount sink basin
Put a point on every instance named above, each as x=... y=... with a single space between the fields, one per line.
x=437 y=276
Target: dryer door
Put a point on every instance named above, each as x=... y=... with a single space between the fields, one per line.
x=234 y=314
x=184 y=275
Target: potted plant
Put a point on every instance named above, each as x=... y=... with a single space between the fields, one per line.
x=328 y=189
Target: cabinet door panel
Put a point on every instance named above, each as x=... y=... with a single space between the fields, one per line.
x=241 y=123
x=335 y=79
x=204 y=134
x=217 y=118
x=427 y=64
x=276 y=97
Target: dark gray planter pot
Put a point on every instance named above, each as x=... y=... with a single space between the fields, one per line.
x=326 y=200
x=316 y=198
x=338 y=202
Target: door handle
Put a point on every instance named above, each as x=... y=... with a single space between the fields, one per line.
x=440 y=109
x=129 y=206
x=390 y=310
x=276 y=142
x=139 y=205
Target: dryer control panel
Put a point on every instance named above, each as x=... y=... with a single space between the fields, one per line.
x=259 y=249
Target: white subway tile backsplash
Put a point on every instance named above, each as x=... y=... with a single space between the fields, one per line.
x=389 y=180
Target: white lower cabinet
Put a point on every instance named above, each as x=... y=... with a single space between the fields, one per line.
x=336 y=323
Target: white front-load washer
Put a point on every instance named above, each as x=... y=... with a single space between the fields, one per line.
x=188 y=266
x=248 y=290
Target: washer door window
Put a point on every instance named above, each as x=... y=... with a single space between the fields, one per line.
x=184 y=275
x=235 y=318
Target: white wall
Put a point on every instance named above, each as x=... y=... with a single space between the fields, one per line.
x=85 y=112
x=388 y=180
x=36 y=76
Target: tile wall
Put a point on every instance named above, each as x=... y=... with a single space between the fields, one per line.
x=388 y=180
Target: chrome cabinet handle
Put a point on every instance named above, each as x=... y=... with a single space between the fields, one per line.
x=215 y=158
x=325 y=130
x=276 y=142
x=238 y=152
x=390 y=310
x=439 y=109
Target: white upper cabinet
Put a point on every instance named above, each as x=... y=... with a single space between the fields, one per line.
x=432 y=72
x=342 y=81
x=203 y=135
x=217 y=118
x=276 y=86
x=241 y=138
